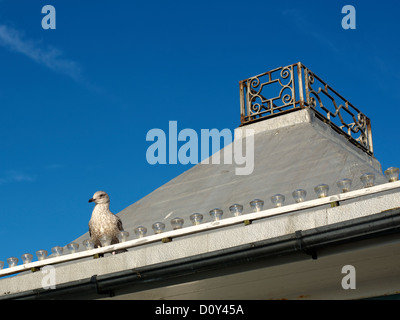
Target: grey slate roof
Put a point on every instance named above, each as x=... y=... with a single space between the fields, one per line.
x=292 y=151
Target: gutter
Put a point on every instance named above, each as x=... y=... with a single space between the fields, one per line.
x=296 y=246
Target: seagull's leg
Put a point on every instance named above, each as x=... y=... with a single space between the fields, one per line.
x=98 y=255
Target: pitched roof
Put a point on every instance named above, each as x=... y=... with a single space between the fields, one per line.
x=296 y=150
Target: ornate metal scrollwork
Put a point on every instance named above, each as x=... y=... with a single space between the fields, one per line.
x=279 y=90
x=357 y=125
x=260 y=105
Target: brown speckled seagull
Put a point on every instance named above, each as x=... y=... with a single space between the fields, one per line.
x=103 y=221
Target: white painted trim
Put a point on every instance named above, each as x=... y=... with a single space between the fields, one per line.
x=205 y=227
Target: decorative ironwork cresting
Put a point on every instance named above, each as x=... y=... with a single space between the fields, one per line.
x=287 y=89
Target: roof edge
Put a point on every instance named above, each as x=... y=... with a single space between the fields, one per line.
x=302 y=244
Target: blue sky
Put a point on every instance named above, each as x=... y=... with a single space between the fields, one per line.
x=77 y=102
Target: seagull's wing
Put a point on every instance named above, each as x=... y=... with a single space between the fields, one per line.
x=119 y=224
x=90 y=231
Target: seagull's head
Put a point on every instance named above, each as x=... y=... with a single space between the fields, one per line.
x=100 y=197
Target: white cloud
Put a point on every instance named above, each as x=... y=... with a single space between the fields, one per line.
x=16 y=176
x=47 y=56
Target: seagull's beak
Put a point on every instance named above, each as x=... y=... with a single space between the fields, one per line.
x=91 y=200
